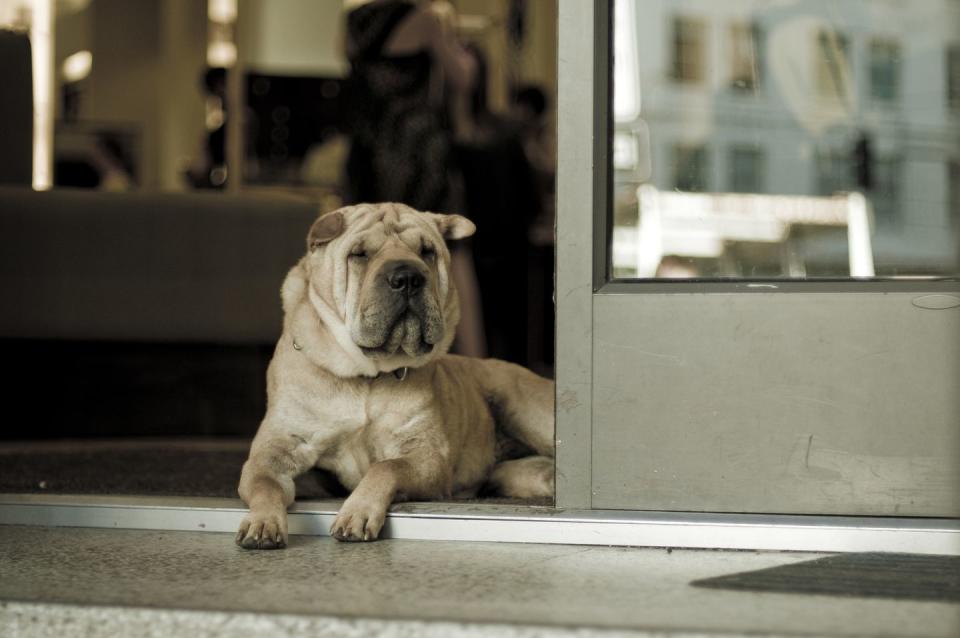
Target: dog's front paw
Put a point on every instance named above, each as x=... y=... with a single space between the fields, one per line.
x=263 y=530
x=358 y=521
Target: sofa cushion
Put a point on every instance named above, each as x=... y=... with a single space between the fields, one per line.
x=146 y=267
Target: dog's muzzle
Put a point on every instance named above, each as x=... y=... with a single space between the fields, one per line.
x=399 y=313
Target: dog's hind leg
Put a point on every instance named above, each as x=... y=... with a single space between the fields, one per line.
x=529 y=477
x=522 y=403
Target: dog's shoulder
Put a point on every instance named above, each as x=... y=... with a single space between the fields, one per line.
x=484 y=372
x=460 y=367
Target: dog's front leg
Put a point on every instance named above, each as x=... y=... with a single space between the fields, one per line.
x=266 y=486
x=363 y=513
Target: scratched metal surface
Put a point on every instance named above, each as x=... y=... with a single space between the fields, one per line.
x=574 y=293
x=774 y=403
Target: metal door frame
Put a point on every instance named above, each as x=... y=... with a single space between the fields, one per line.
x=583 y=240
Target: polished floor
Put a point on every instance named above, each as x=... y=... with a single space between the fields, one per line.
x=68 y=581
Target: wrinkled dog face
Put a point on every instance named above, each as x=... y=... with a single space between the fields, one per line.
x=385 y=269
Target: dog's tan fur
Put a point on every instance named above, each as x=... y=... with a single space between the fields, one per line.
x=334 y=404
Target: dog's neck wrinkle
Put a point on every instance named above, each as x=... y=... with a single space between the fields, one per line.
x=341 y=335
x=313 y=341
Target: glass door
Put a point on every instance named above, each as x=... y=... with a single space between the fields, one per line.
x=762 y=312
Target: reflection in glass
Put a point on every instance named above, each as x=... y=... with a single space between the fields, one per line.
x=786 y=139
x=689 y=54
x=745 y=39
x=885 y=69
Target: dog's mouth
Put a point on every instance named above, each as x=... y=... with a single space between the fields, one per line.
x=414 y=330
x=406 y=335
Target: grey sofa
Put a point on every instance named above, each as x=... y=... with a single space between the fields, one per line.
x=134 y=314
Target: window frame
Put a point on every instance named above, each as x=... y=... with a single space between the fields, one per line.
x=584 y=182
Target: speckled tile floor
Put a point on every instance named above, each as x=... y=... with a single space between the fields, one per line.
x=58 y=581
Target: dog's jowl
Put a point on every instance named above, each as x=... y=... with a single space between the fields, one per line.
x=361 y=383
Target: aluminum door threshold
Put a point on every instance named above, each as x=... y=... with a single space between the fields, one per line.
x=515 y=524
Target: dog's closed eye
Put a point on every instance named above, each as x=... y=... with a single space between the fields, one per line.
x=358 y=252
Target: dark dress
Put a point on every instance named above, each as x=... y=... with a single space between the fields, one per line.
x=400 y=150
x=501 y=197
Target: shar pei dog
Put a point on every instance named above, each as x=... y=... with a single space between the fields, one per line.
x=361 y=385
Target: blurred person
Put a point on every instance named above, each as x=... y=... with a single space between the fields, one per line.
x=404 y=55
x=528 y=110
x=502 y=197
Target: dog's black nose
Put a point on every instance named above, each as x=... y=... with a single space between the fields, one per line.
x=405 y=279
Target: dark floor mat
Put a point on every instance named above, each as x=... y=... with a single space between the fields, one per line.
x=872 y=575
x=154 y=468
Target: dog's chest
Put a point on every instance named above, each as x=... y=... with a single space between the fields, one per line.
x=349 y=461
x=376 y=423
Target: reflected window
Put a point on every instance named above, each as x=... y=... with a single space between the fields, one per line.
x=884 y=70
x=745 y=57
x=953 y=76
x=747 y=169
x=806 y=178
x=833 y=64
x=689 y=49
x=690 y=168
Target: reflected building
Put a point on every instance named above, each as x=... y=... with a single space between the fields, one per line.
x=796 y=98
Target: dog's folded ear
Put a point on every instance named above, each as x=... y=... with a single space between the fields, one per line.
x=327 y=228
x=453 y=226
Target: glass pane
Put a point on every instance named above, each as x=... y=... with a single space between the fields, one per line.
x=795 y=139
